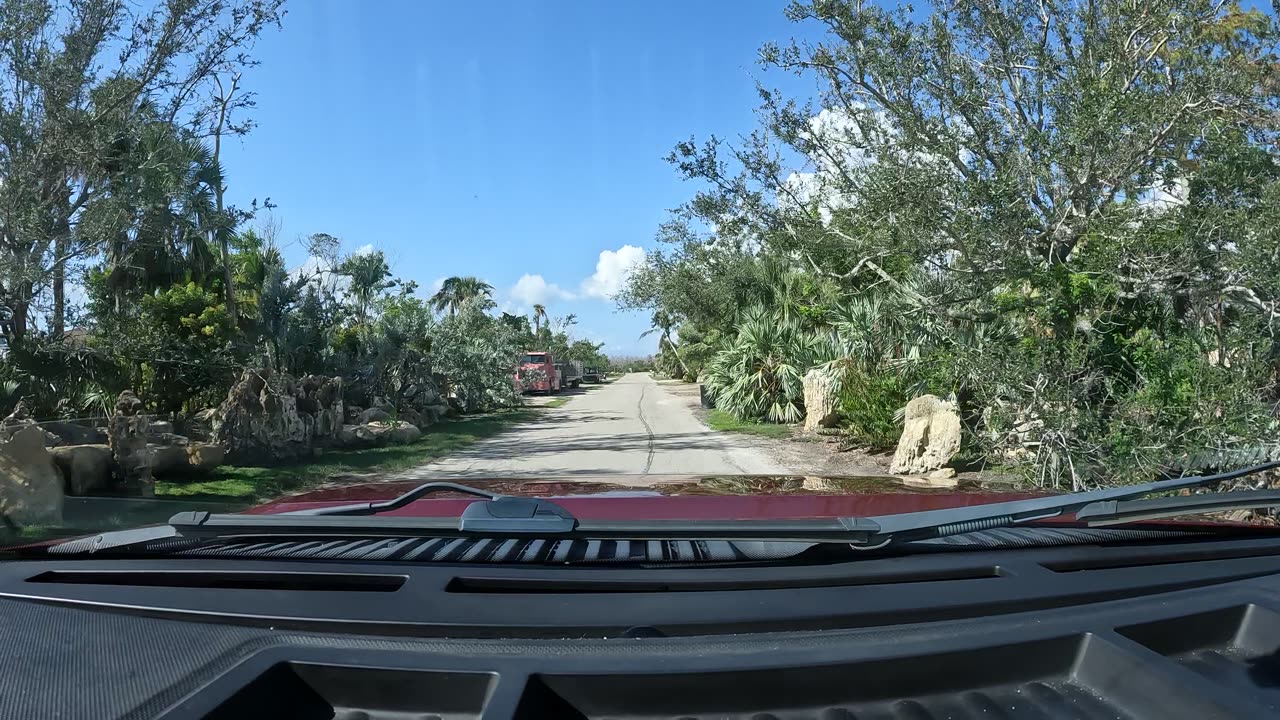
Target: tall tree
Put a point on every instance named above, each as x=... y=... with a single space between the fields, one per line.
x=76 y=79
x=1075 y=198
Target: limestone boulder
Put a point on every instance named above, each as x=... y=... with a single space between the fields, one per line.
x=930 y=436
x=20 y=419
x=31 y=486
x=168 y=460
x=15 y=421
x=354 y=437
x=402 y=433
x=85 y=468
x=203 y=457
x=377 y=434
x=820 y=400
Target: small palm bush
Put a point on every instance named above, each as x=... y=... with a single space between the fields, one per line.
x=759 y=374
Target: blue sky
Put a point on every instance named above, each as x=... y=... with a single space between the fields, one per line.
x=497 y=139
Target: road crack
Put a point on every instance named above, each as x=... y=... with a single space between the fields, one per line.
x=648 y=463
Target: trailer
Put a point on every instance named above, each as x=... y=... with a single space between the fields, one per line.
x=570 y=373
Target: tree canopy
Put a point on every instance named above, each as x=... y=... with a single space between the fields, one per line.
x=1059 y=211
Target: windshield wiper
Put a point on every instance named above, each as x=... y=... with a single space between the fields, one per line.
x=397 y=502
x=1114 y=512
x=509 y=517
x=500 y=513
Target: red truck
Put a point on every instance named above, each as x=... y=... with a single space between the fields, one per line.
x=537 y=373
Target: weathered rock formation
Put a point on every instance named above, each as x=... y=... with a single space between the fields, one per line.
x=930 y=436
x=203 y=457
x=269 y=417
x=20 y=419
x=820 y=401
x=127 y=436
x=30 y=483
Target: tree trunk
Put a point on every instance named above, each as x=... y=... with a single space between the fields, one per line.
x=58 y=325
x=229 y=288
x=61 y=249
x=666 y=336
x=20 y=308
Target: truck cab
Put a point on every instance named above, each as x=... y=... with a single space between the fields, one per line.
x=538 y=373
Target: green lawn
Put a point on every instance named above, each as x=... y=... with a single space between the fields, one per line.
x=257 y=484
x=721 y=420
x=556 y=403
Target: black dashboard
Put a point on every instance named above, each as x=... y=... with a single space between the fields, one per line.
x=1169 y=629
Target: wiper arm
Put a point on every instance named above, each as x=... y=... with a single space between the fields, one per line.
x=953 y=521
x=397 y=502
x=507 y=517
x=499 y=513
x=1114 y=512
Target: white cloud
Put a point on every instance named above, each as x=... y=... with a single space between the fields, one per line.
x=612 y=271
x=535 y=290
x=437 y=284
x=365 y=249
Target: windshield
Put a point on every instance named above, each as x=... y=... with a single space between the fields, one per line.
x=840 y=258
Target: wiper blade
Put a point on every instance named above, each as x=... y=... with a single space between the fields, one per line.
x=499 y=513
x=397 y=502
x=954 y=521
x=1114 y=512
x=508 y=517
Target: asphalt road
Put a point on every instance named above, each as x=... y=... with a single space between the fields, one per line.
x=629 y=426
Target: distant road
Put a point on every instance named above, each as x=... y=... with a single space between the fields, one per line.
x=631 y=426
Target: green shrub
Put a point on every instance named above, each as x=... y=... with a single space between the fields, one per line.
x=869 y=403
x=760 y=372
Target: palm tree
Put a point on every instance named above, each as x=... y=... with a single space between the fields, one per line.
x=539 y=317
x=370 y=275
x=457 y=291
x=663 y=323
x=759 y=374
x=172 y=213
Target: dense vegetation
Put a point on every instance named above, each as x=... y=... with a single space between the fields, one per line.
x=1061 y=212
x=112 y=116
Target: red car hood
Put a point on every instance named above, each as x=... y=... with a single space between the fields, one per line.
x=652 y=497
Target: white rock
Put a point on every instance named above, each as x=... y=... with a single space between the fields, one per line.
x=820 y=400
x=30 y=482
x=930 y=436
